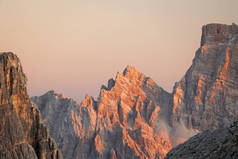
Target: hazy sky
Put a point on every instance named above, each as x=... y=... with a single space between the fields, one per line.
x=75 y=46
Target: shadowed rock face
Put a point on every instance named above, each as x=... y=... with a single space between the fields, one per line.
x=207 y=96
x=122 y=123
x=22 y=133
x=221 y=143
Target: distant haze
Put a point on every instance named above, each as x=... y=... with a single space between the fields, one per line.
x=74 y=46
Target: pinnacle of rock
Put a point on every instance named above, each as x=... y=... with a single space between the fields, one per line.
x=22 y=134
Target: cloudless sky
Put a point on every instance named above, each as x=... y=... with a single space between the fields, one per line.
x=75 y=46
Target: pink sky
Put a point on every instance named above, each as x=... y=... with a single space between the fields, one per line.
x=75 y=46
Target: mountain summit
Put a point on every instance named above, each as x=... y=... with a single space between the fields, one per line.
x=122 y=123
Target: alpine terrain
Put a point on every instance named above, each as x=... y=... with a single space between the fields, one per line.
x=135 y=118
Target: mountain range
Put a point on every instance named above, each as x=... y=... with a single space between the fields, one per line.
x=132 y=117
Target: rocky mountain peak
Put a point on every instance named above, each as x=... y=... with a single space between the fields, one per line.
x=88 y=101
x=132 y=73
x=55 y=94
x=52 y=93
x=12 y=80
x=22 y=133
x=218 y=33
x=123 y=119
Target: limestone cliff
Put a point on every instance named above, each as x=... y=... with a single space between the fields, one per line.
x=207 y=96
x=22 y=132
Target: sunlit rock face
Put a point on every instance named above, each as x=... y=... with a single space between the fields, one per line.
x=22 y=133
x=125 y=121
x=131 y=109
x=221 y=143
x=207 y=96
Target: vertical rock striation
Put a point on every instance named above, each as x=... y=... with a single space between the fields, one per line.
x=72 y=125
x=22 y=133
x=207 y=96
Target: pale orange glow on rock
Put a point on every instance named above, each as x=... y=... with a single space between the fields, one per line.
x=86 y=111
x=223 y=71
x=177 y=97
x=120 y=108
x=87 y=101
x=227 y=58
x=76 y=123
x=203 y=49
x=199 y=89
x=99 y=144
x=154 y=116
x=150 y=81
x=222 y=77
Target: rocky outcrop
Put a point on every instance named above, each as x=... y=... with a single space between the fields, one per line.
x=206 y=97
x=22 y=132
x=127 y=121
x=221 y=143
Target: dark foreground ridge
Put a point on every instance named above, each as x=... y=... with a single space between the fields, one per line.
x=22 y=132
x=218 y=144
